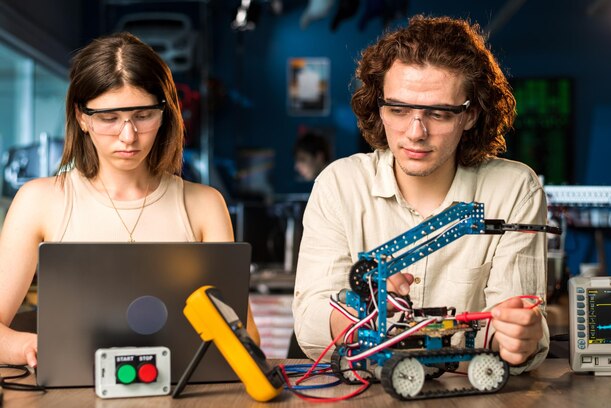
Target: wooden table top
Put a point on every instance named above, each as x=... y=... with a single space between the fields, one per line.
x=553 y=384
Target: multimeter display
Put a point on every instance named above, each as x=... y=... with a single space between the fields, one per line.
x=599 y=315
x=226 y=311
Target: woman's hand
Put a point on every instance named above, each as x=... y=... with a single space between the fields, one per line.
x=19 y=347
x=30 y=349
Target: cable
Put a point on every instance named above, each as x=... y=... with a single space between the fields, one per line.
x=373 y=293
x=302 y=368
x=391 y=341
x=313 y=398
x=337 y=306
x=399 y=303
x=15 y=386
x=323 y=369
x=349 y=334
x=312 y=372
x=488 y=341
x=325 y=351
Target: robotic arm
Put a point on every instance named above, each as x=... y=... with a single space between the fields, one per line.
x=418 y=345
x=374 y=267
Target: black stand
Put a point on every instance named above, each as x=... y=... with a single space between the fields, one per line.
x=199 y=354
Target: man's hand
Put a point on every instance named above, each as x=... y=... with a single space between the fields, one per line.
x=518 y=330
x=399 y=283
x=338 y=323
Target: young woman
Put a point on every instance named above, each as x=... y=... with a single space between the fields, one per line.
x=118 y=180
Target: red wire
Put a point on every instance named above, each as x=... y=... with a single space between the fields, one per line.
x=486 y=345
x=311 y=370
x=533 y=297
x=325 y=351
x=322 y=399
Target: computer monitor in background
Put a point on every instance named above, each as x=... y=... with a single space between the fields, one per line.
x=273 y=230
x=23 y=163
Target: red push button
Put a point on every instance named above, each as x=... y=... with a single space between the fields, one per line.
x=147 y=373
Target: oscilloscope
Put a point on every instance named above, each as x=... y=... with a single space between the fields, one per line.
x=590 y=324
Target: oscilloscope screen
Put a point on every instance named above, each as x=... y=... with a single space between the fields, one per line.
x=599 y=316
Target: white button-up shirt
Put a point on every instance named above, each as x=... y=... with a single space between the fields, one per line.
x=355 y=206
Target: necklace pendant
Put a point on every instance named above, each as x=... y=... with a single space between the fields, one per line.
x=129 y=232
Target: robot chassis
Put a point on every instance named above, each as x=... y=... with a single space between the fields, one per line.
x=417 y=347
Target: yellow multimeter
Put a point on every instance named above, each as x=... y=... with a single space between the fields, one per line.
x=217 y=322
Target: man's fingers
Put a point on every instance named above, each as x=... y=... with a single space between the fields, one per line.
x=513 y=358
x=522 y=326
x=399 y=283
x=514 y=311
x=516 y=345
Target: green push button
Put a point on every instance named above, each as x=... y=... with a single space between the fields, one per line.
x=126 y=374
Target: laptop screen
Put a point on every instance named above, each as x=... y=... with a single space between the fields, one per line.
x=102 y=295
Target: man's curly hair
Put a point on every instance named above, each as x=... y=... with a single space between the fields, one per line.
x=451 y=44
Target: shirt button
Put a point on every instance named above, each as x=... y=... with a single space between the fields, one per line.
x=416 y=280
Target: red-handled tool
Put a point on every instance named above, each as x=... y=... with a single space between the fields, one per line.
x=468 y=316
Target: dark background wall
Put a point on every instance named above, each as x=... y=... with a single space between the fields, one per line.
x=47 y=30
x=247 y=81
x=254 y=65
x=542 y=39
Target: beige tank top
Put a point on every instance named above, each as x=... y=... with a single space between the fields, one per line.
x=90 y=217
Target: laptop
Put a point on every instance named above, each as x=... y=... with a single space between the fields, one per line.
x=103 y=295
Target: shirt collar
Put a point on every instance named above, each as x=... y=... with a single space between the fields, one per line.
x=385 y=184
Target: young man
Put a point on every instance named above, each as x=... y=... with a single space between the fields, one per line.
x=435 y=106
